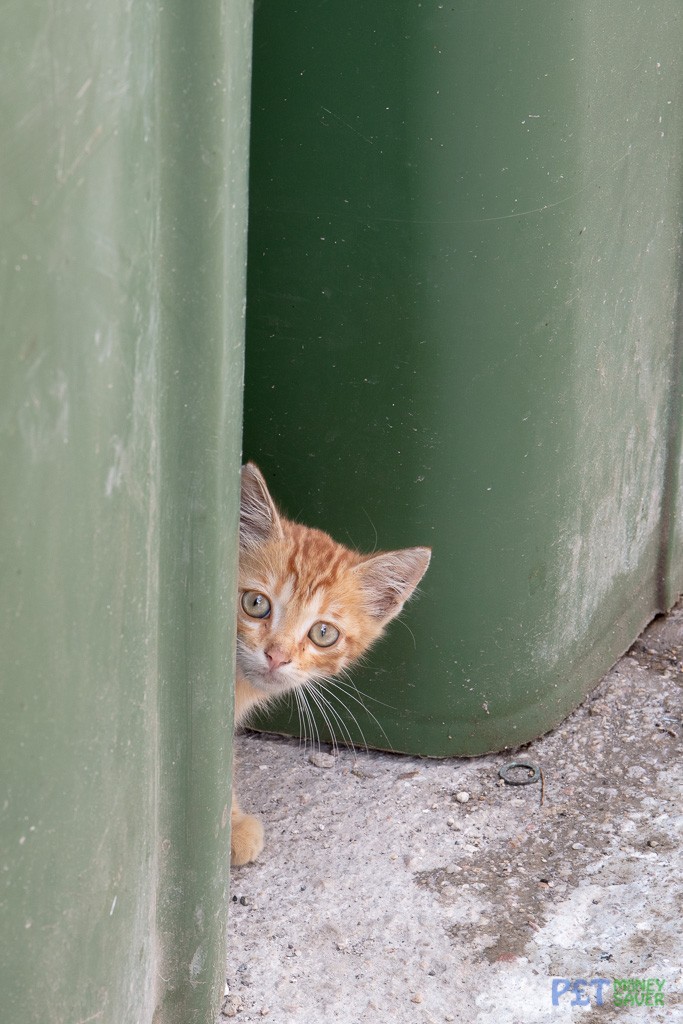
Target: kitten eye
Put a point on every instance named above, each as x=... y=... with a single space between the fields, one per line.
x=255 y=604
x=323 y=634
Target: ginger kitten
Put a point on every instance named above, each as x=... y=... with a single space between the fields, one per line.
x=307 y=608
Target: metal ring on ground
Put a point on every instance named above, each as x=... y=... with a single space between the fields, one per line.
x=529 y=765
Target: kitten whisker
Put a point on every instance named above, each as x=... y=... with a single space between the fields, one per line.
x=310 y=718
x=406 y=626
x=346 y=677
x=302 y=725
x=290 y=709
x=341 y=685
x=303 y=737
x=328 y=724
x=374 y=546
x=353 y=545
x=336 y=683
x=324 y=705
x=330 y=694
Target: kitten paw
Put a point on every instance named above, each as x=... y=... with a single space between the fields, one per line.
x=246 y=840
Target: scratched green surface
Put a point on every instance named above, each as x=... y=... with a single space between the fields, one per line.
x=122 y=272
x=464 y=331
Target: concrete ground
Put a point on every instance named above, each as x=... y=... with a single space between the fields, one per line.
x=385 y=895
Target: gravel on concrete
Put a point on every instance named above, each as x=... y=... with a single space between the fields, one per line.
x=400 y=889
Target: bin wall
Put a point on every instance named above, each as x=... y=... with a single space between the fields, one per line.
x=122 y=273
x=464 y=330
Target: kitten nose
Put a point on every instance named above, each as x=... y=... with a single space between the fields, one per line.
x=276 y=658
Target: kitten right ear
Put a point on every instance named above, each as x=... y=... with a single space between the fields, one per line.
x=389 y=578
x=259 y=518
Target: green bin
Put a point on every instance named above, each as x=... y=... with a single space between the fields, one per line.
x=123 y=167
x=464 y=330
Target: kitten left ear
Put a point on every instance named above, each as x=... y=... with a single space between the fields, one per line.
x=259 y=518
x=389 y=579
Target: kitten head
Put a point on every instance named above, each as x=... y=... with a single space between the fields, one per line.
x=308 y=606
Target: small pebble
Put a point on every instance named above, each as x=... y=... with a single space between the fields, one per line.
x=244 y=901
x=322 y=760
x=233 y=1005
x=417 y=998
x=462 y=797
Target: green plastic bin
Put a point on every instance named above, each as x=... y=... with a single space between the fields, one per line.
x=464 y=330
x=123 y=173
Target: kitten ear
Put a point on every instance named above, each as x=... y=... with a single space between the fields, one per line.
x=388 y=579
x=259 y=518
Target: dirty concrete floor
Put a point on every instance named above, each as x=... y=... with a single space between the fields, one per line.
x=381 y=896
